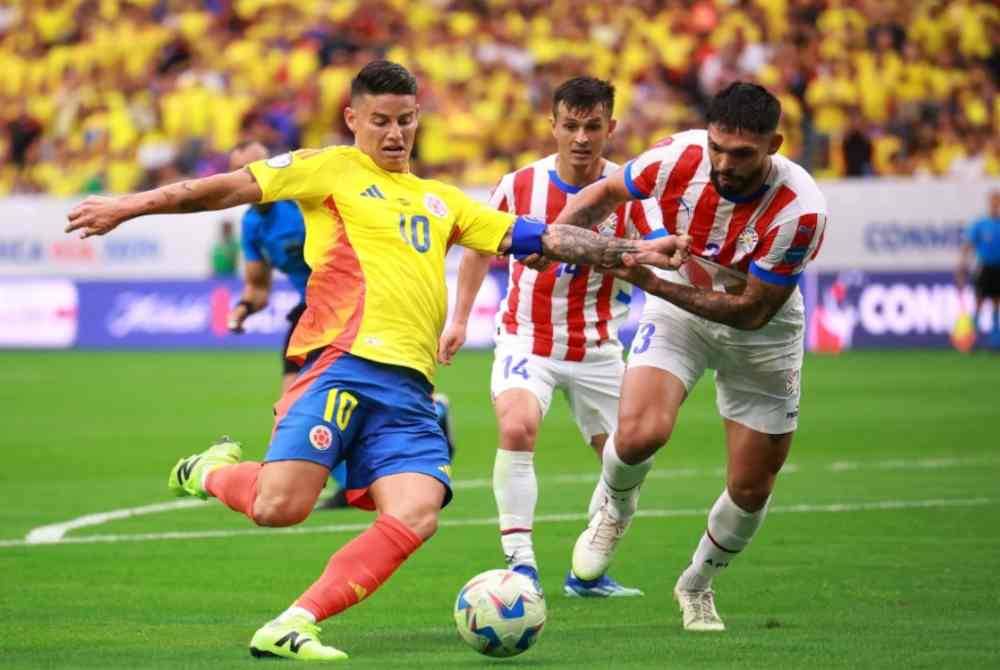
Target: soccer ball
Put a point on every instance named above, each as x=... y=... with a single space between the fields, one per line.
x=499 y=613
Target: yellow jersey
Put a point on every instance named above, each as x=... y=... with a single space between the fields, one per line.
x=376 y=243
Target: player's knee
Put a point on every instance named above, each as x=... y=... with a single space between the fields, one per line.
x=518 y=435
x=280 y=510
x=750 y=496
x=427 y=526
x=638 y=436
x=422 y=521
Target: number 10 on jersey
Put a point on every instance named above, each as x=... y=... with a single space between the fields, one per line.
x=418 y=233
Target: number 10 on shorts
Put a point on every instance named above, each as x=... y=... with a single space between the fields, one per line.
x=339 y=404
x=517 y=369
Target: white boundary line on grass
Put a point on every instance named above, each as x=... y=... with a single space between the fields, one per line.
x=789 y=468
x=876 y=505
x=53 y=533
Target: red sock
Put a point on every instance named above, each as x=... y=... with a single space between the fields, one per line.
x=235 y=485
x=360 y=567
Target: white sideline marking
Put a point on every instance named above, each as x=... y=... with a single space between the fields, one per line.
x=56 y=532
x=789 y=468
x=876 y=505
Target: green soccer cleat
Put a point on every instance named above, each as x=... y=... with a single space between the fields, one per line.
x=296 y=638
x=186 y=477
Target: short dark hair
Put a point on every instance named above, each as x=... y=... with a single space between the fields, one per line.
x=745 y=106
x=382 y=76
x=583 y=94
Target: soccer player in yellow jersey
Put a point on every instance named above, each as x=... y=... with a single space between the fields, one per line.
x=376 y=237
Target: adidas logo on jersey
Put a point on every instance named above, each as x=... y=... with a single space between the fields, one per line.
x=372 y=192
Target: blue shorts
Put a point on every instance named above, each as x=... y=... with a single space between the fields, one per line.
x=378 y=418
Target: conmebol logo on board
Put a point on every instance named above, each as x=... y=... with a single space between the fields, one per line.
x=890 y=237
x=857 y=309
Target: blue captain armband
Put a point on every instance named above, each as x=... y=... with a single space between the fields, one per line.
x=526 y=237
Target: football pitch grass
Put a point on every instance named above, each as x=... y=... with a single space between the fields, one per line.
x=882 y=549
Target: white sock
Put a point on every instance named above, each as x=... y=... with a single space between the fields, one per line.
x=516 y=490
x=620 y=481
x=730 y=529
x=596 y=498
x=295 y=611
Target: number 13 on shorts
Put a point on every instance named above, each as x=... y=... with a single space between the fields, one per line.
x=340 y=406
x=642 y=337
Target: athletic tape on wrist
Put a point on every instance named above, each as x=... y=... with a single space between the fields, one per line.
x=526 y=237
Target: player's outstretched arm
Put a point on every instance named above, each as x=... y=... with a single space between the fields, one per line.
x=578 y=246
x=471 y=273
x=750 y=310
x=595 y=203
x=98 y=215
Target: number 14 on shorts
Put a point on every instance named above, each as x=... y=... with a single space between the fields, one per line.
x=514 y=368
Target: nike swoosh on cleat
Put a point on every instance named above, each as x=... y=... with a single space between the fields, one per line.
x=184 y=472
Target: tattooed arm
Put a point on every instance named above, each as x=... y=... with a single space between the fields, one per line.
x=98 y=215
x=596 y=202
x=574 y=245
x=750 y=310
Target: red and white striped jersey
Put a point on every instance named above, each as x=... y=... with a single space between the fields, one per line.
x=771 y=234
x=567 y=310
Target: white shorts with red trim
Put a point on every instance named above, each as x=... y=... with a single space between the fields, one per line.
x=757 y=373
x=591 y=386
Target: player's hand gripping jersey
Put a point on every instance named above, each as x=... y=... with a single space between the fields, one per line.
x=376 y=243
x=771 y=234
x=567 y=310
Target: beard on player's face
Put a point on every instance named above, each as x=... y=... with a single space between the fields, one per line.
x=739 y=159
x=731 y=183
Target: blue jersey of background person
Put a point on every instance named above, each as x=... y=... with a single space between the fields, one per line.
x=276 y=234
x=984 y=236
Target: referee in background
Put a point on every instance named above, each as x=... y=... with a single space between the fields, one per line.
x=982 y=239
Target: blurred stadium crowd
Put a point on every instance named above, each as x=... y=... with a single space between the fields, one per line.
x=114 y=95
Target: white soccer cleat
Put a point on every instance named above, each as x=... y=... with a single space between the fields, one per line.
x=698 y=609
x=595 y=547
